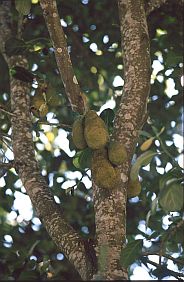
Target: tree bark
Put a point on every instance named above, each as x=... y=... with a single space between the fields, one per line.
x=110 y=207
x=26 y=165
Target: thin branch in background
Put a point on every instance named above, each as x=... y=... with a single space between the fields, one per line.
x=56 y=124
x=4 y=135
x=168 y=236
x=174 y=273
x=72 y=88
x=164 y=148
x=7 y=166
x=6 y=112
x=151 y=5
x=7 y=145
x=176 y=260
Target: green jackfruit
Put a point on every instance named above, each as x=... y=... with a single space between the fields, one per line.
x=95 y=131
x=134 y=188
x=78 y=134
x=117 y=153
x=104 y=174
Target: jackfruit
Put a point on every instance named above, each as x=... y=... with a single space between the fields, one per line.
x=134 y=188
x=95 y=131
x=104 y=174
x=38 y=106
x=117 y=153
x=78 y=134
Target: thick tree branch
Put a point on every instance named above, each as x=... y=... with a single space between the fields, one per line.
x=137 y=71
x=63 y=235
x=110 y=206
x=63 y=60
x=151 y=5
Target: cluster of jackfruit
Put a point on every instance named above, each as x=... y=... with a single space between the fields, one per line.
x=104 y=173
x=90 y=131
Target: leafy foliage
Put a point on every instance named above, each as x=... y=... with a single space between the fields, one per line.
x=143 y=160
x=131 y=252
x=93 y=37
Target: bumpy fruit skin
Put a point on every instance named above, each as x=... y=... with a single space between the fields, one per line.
x=104 y=174
x=134 y=188
x=95 y=131
x=38 y=106
x=78 y=134
x=117 y=153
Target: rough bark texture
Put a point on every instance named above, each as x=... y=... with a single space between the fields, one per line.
x=26 y=165
x=110 y=207
x=63 y=60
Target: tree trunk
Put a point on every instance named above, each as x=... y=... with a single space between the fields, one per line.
x=110 y=206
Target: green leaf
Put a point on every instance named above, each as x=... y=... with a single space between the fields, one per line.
x=154 y=206
x=28 y=275
x=173 y=59
x=142 y=160
x=23 y=6
x=171 y=197
x=82 y=159
x=148 y=218
x=14 y=46
x=76 y=160
x=145 y=133
x=173 y=173
x=131 y=252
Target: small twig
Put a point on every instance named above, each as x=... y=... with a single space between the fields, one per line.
x=7 y=145
x=4 y=135
x=174 y=273
x=7 y=166
x=55 y=124
x=168 y=236
x=179 y=261
x=7 y=112
x=164 y=147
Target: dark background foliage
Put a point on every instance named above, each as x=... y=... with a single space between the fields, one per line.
x=29 y=253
